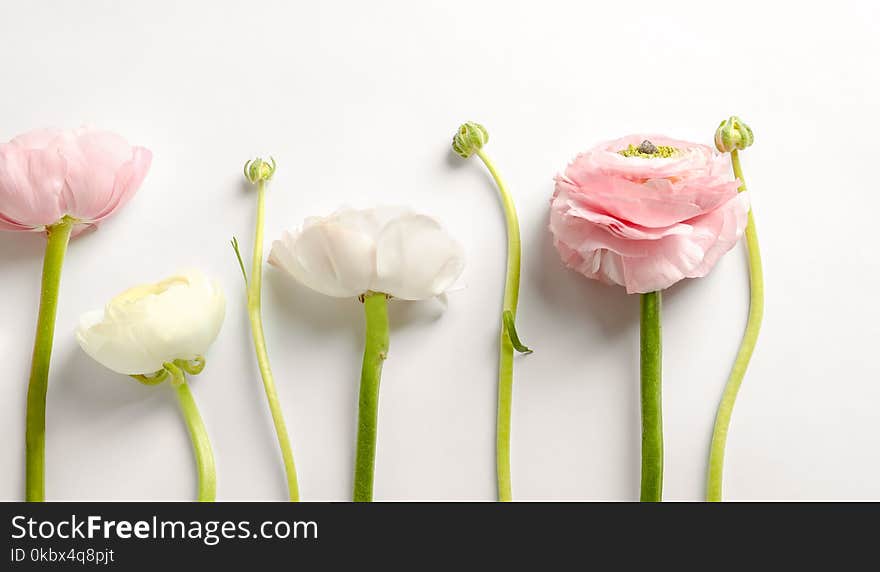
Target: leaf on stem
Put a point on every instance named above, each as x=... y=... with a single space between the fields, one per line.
x=510 y=328
x=234 y=243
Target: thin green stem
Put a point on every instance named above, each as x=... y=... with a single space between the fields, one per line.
x=743 y=356
x=505 y=364
x=58 y=235
x=375 y=352
x=652 y=410
x=254 y=290
x=201 y=444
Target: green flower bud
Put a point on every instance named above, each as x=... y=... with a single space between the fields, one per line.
x=470 y=138
x=258 y=170
x=733 y=134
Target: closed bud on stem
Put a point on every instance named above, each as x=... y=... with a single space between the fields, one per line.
x=733 y=134
x=259 y=170
x=470 y=138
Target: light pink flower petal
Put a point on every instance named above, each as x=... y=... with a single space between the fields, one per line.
x=46 y=174
x=652 y=203
x=602 y=265
x=31 y=184
x=94 y=158
x=128 y=181
x=694 y=159
x=621 y=228
x=586 y=231
x=641 y=261
x=627 y=200
x=36 y=139
x=735 y=217
x=688 y=257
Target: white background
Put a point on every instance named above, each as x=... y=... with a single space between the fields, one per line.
x=358 y=102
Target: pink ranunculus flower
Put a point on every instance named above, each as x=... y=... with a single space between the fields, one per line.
x=646 y=221
x=86 y=174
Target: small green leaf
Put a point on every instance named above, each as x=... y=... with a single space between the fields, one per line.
x=510 y=328
x=240 y=261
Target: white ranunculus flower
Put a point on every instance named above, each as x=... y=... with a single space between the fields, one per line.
x=146 y=326
x=387 y=249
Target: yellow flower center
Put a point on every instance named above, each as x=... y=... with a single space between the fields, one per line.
x=648 y=150
x=138 y=293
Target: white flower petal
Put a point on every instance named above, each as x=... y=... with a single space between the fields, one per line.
x=146 y=326
x=185 y=319
x=368 y=221
x=112 y=346
x=386 y=249
x=416 y=259
x=327 y=257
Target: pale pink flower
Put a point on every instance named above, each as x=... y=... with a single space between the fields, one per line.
x=86 y=173
x=646 y=222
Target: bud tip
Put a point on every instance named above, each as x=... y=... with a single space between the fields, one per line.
x=257 y=170
x=733 y=134
x=469 y=139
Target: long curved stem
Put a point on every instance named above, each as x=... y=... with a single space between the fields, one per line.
x=743 y=356
x=256 y=318
x=201 y=444
x=505 y=363
x=651 y=388
x=375 y=352
x=58 y=236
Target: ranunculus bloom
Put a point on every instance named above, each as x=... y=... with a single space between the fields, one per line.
x=85 y=173
x=646 y=222
x=146 y=326
x=390 y=249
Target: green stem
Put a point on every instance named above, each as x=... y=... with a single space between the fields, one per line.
x=652 y=410
x=201 y=444
x=505 y=364
x=375 y=352
x=254 y=288
x=58 y=235
x=743 y=356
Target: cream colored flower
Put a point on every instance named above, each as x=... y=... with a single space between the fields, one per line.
x=146 y=326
